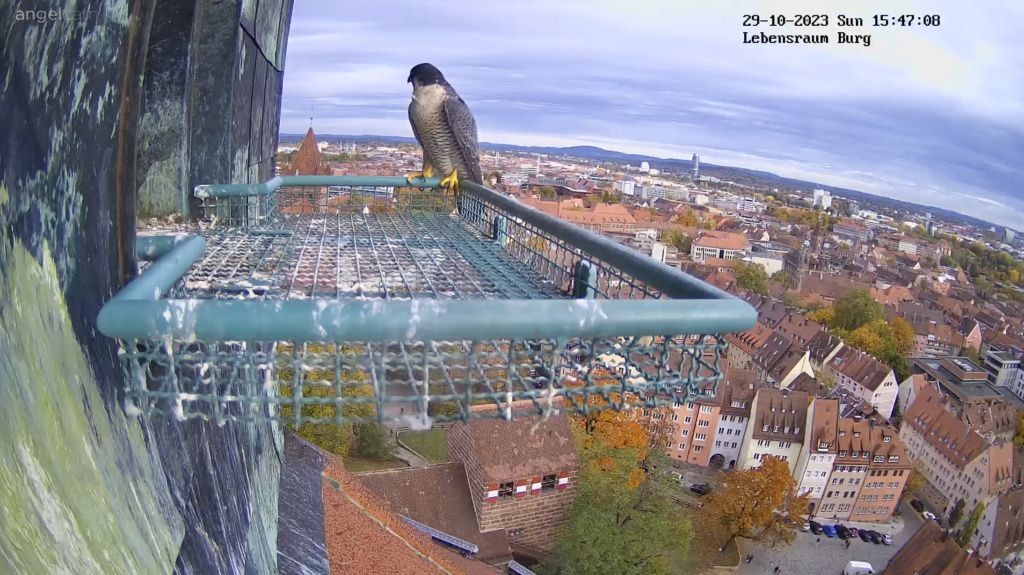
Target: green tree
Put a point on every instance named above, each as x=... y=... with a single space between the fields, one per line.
x=856 y=309
x=957 y=512
x=374 y=442
x=844 y=245
x=547 y=192
x=963 y=537
x=947 y=261
x=791 y=298
x=755 y=503
x=622 y=520
x=781 y=276
x=1018 y=438
x=682 y=242
x=752 y=277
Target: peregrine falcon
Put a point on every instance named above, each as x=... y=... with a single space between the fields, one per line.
x=445 y=129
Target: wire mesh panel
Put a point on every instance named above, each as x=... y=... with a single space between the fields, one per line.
x=352 y=303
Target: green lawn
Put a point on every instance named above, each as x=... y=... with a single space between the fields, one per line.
x=432 y=444
x=356 y=464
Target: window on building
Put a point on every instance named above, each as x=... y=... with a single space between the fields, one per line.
x=776 y=430
x=886 y=439
x=690 y=405
x=721 y=431
x=734 y=445
x=686 y=432
x=842 y=454
x=703 y=423
x=647 y=413
x=675 y=417
x=682 y=446
x=765 y=428
x=548 y=482
x=894 y=459
x=865 y=454
x=688 y=419
x=507 y=489
x=700 y=436
x=697 y=448
x=879 y=459
x=705 y=409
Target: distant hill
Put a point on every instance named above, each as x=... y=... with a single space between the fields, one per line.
x=755 y=178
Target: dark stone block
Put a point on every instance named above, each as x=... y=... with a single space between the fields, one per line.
x=256 y=116
x=282 y=44
x=247 y=17
x=268 y=27
x=163 y=145
x=271 y=113
x=215 y=54
x=301 y=547
x=241 y=108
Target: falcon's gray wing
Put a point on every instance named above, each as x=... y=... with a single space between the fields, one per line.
x=419 y=140
x=463 y=126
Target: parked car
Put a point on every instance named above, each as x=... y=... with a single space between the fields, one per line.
x=676 y=475
x=876 y=537
x=842 y=532
x=829 y=530
x=815 y=527
x=700 y=489
x=929 y=515
x=865 y=535
x=887 y=539
x=917 y=505
x=853 y=531
x=858 y=568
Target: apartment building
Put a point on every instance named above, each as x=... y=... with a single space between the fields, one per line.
x=1000 y=532
x=692 y=429
x=823 y=347
x=738 y=388
x=957 y=461
x=744 y=346
x=718 y=244
x=850 y=231
x=777 y=426
x=815 y=464
x=866 y=378
x=870 y=470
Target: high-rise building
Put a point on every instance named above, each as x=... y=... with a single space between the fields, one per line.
x=695 y=170
x=1007 y=236
x=823 y=198
x=645 y=167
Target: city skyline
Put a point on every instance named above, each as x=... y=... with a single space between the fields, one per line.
x=924 y=114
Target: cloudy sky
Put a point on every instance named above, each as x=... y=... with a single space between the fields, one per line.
x=933 y=115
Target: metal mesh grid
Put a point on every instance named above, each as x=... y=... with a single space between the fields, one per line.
x=393 y=244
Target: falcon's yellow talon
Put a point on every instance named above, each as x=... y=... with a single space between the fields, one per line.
x=421 y=175
x=451 y=182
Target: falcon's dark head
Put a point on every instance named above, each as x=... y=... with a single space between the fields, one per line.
x=425 y=75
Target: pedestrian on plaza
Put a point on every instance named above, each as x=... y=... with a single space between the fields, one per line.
x=776 y=568
x=847 y=543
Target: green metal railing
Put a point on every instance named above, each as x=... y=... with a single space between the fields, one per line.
x=349 y=299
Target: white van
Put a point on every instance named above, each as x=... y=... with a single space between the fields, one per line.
x=858 y=568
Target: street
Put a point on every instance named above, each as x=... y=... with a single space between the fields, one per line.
x=807 y=557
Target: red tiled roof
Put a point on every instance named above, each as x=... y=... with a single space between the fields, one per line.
x=364 y=536
x=437 y=496
x=860 y=367
x=522 y=446
x=721 y=240
x=931 y=551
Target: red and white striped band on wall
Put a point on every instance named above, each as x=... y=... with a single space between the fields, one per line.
x=563 y=480
x=522 y=486
x=535 y=487
x=492 y=492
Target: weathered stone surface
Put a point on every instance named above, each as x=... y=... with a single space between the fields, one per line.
x=268 y=27
x=256 y=118
x=82 y=490
x=88 y=488
x=301 y=549
x=163 y=133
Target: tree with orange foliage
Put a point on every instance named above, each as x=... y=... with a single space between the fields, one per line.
x=756 y=503
x=622 y=520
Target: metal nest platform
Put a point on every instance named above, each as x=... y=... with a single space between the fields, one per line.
x=335 y=300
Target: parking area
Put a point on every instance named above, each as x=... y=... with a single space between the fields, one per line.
x=809 y=556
